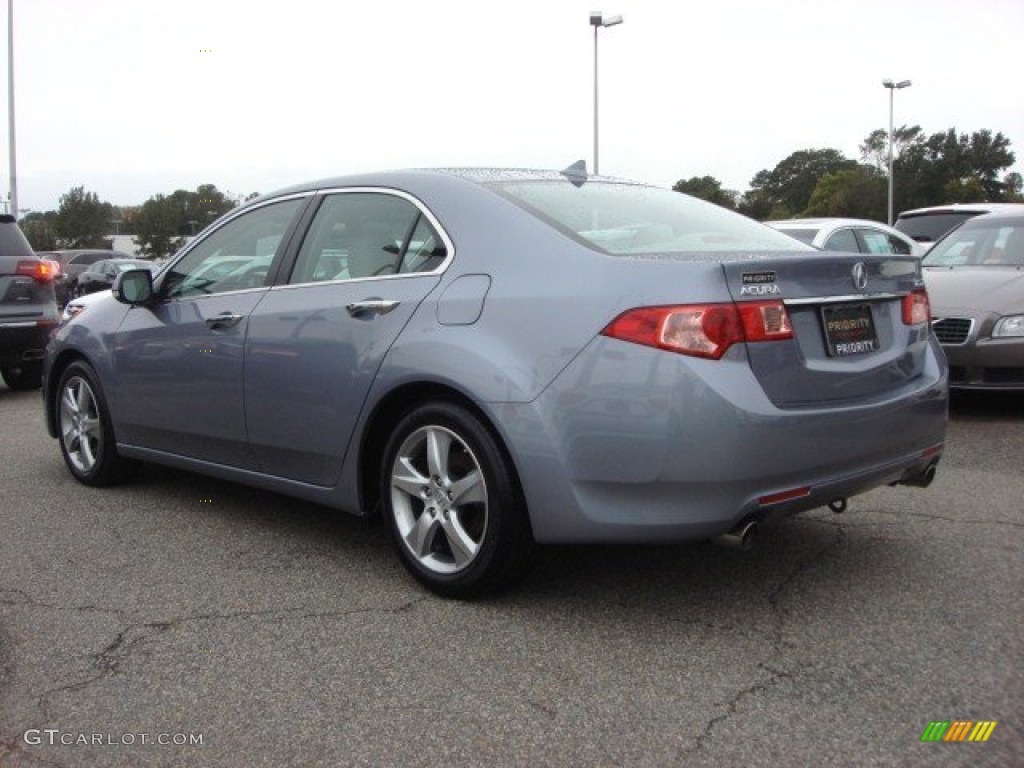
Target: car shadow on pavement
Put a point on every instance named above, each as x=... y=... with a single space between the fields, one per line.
x=977 y=405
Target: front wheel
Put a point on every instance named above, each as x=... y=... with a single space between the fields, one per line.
x=85 y=431
x=453 y=504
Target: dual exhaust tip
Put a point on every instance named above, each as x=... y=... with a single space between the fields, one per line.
x=743 y=535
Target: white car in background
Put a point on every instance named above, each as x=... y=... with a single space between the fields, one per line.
x=849 y=235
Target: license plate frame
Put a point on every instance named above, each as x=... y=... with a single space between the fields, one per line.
x=849 y=329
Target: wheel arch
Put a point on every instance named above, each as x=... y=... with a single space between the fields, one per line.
x=385 y=417
x=52 y=384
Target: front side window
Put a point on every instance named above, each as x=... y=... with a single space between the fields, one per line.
x=236 y=256
x=366 y=234
x=622 y=219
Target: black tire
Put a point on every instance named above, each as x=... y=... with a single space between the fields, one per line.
x=453 y=504
x=21 y=377
x=84 y=430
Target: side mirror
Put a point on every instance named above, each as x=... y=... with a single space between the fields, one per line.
x=134 y=287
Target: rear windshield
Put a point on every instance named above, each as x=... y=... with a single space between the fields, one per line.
x=13 y=242
x=621 y=219
x=932 y=226
x=803 y=235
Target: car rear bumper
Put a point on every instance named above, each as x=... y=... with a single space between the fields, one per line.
x=633 y=444
x=24 y=342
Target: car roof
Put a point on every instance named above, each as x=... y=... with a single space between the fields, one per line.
x=825 y=221
x=962 y=208
x=413 y=176
x=1003 y=216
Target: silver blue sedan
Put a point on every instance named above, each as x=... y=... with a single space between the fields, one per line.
x=495 y=360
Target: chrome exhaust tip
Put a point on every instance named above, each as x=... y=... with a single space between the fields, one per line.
x=741 y=537
x=923 y=478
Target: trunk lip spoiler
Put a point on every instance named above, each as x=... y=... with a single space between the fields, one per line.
x=841 y=299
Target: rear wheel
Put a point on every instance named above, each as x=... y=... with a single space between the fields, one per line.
x=453 y=504
x=23 y=376
x=85 y=432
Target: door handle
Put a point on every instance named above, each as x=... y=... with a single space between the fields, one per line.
x=223 y=320
x=371 y=307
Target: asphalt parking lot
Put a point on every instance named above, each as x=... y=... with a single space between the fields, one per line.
x=138 y=621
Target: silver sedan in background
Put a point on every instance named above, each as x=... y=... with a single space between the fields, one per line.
x=491 y=360
x=976 y=278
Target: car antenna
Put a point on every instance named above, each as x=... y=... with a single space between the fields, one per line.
x=576 y=173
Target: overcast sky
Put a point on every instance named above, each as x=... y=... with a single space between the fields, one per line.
x=130 y=98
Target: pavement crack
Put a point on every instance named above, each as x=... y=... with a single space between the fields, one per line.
x=777 y=643
x=943 y=518
x=111 y=657
x=19 y=598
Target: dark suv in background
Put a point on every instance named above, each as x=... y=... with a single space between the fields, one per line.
x=28 y=307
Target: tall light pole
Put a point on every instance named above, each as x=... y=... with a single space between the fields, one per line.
x=892 y=89
x=10 y=106
x=597 y=21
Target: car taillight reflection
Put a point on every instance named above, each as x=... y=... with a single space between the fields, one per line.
x=916 y=307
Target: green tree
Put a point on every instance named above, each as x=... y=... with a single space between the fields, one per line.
x=707 y=188
x=875 y=149
x=82 y=220
x=41 y=230
x=157 y=226
x=1014 y=185
x=860 y=193
x=164 y=221
x=786 y=190
x=950 y=167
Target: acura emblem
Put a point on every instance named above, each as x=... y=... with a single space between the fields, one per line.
x=860 y=276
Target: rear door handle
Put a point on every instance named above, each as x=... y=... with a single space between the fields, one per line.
x=371 y=307
x=223 y=320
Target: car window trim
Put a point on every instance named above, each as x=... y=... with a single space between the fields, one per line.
x=288 y=265
x=275 y=264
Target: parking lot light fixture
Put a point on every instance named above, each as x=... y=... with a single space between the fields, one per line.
x=597 y=20
x=892 y=86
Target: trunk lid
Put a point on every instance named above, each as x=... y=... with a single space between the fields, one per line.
x=850 y=341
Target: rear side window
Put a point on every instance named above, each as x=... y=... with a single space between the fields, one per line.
x=843 y=240
x=882 y=242
x=621 y=219
x=12 y=241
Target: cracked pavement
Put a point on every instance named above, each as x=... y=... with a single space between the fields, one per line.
x=286 y=634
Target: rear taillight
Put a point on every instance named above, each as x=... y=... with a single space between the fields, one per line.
x=42 y=270
x=702 y=330
x=916 y=307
